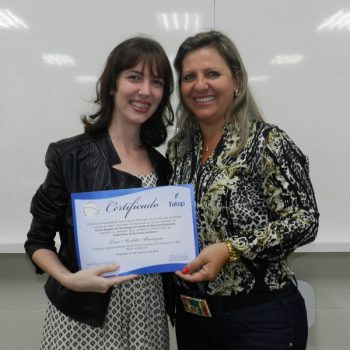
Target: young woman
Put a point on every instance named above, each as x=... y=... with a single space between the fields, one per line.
x=87 y=310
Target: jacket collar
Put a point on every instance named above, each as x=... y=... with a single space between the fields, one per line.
x=107 y=147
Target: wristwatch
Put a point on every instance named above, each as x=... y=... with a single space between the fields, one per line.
x=233 y=253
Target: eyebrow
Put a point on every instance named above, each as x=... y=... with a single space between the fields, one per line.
x=141 y=73
x=206 y=70
x=133 y=71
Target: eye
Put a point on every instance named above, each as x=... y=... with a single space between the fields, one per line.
x=188 y=77
x=158 y=82
x=133 y=77
x=213 y=74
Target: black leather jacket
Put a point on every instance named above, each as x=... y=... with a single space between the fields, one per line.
x=78 y=164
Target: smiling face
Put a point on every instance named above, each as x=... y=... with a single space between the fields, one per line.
x=207 y=86
x=139 y=93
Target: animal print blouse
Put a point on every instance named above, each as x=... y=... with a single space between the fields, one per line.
x=262 y=200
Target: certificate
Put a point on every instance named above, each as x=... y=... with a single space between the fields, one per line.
x=144 y=230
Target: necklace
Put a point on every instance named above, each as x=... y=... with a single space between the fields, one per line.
x=205 y=153
x=209 y=147
x=206 y=150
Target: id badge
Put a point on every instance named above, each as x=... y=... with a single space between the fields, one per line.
x=195 y=306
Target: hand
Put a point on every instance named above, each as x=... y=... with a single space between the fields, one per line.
x=90 y=280
x=207 y=265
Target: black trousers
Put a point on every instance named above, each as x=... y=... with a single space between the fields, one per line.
x=279 y=323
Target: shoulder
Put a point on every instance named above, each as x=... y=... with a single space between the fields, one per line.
x=74 y=143
x=261 y=130
x=270 y=135
x=275 y=144
x=71 y=148
x=64 y=146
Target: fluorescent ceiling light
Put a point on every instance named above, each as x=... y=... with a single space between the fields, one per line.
x=179 y=21
x=9 y=20
x=164 y=20
x=175 y=21
x=338 y=21
x=287 y=59
x=54 y=59
x=186 y=21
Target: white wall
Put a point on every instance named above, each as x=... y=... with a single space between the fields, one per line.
x=297 y=63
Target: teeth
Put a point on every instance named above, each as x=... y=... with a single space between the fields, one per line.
x=205 y=99
x=140 y=105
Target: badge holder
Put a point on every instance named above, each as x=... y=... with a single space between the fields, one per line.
x=195 y=306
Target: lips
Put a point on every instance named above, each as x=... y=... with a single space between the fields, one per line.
x=140 y=106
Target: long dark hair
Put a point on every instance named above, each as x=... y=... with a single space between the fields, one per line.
x=125 y=56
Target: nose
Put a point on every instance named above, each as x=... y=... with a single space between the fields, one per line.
x=145 y=88
x=201 y=84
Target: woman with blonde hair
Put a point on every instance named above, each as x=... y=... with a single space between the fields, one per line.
x=255 y=205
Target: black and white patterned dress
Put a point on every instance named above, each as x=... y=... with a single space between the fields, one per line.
x=136 y=317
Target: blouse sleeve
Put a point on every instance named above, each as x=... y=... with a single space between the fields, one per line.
x=47 y=208
x=290 y=198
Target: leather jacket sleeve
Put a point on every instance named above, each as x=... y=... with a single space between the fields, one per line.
x=48 y=207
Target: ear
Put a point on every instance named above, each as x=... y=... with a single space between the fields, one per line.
x=237 y=80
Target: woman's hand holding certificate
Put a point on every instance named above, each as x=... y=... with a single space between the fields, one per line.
x=91 y=280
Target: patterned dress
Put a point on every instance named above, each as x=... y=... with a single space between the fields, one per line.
x=136 y=317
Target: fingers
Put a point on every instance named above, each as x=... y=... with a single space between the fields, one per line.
x=206 y=266
x=192 y=272
x=194 y=265
x=106 y=268
x=111 y=281
x=194 y=277
x=121 y=279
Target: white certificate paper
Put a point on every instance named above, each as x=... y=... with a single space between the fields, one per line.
x=144 y=230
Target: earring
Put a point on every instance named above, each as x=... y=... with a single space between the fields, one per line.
x=237 y=93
